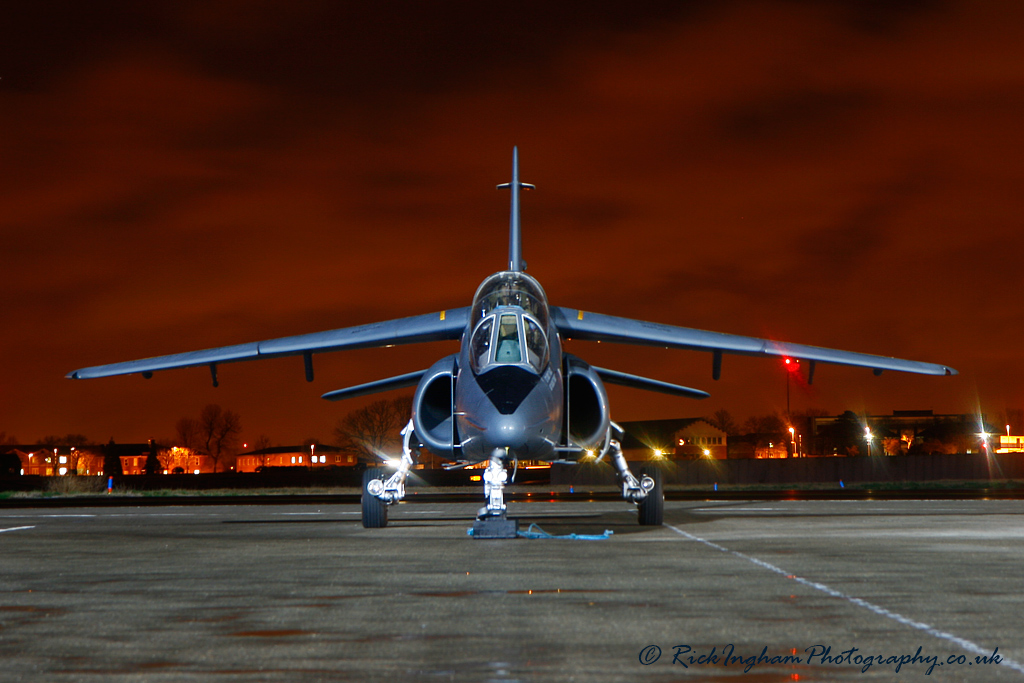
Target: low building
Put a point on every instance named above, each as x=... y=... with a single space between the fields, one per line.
x=914 y=432
x=133 y=456
x=178 y=460
x=1010 y=444
x=315 y=456
x=678 y=439
x=49 y=461
x=763 y=446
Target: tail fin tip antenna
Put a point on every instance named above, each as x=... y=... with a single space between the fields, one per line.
x=515 y=250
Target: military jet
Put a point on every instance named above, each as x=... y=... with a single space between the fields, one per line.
x=510 y=393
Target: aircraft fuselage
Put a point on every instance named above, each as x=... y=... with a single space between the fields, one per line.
x=509 y=391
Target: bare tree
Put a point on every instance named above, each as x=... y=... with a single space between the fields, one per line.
x=187 y=431
x=166 y=456
x=375 y=431
x=723 y=420
x=801 y=420
x=178 y=460
x=766 y=424
x=218 y=432
x=89 y=460
x=77 y=445
x=262 y=443
x=76 y=440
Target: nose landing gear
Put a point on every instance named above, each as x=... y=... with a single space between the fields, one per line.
x=491 y=521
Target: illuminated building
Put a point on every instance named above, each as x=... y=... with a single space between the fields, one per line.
x=677 y=439
x=313 y=456
x=914 y=432
x=47 y=461
x=1010 y=444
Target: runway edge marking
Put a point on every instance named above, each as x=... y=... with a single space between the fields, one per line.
x=17 y=528
x=973 y=648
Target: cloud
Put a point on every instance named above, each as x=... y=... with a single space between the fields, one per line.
x=193 y=174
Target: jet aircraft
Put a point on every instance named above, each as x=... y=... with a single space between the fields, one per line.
x=511 y=392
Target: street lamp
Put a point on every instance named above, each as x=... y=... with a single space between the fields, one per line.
x=984 y=441
x=867 y=437
x=792 y=365
x=792 y=441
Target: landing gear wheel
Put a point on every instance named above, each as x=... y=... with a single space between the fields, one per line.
x=652 y=508
x=375 y=510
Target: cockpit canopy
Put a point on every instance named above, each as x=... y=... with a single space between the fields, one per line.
x=510 y=315
x=510 y=289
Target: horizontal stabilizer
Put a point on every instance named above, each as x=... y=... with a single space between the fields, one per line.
x=400 y=382
x=637 y=382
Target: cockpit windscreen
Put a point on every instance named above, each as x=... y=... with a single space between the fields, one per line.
x=510 y=289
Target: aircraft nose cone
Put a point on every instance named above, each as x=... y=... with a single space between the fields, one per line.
x=507 y=433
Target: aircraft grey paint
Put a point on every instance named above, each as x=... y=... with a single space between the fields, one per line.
x=510 y=393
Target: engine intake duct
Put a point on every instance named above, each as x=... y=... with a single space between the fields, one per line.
x=586 y=404
x=433 y=408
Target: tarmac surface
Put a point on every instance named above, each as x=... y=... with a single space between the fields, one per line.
x=302 y=592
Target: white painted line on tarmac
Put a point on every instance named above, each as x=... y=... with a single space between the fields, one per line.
x=404 y=513
x=140 y=513
x=44 y=515
x=729 y=509
x=16 y=528
x=791 y=510
x=881 y=611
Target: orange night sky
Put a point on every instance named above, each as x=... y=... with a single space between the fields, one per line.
x=187 y=175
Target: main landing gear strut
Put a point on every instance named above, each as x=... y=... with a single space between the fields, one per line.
x=647 y=492
x=380 y=491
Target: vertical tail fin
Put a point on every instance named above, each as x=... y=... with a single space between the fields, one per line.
x=515 y=247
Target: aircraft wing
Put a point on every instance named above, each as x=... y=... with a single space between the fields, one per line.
x=576 y=324
x=421 y=328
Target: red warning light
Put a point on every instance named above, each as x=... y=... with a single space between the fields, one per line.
x=792 y=364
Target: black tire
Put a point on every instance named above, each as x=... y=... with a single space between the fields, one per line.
x=652 y=508
x=375 y=510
